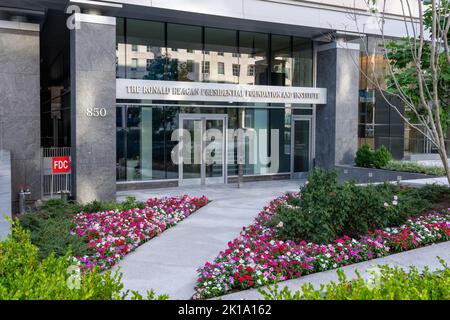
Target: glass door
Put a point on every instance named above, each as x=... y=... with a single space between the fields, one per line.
x=301 y=146
x=203 y=159
x=190 y=162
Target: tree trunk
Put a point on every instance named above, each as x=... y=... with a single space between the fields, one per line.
x=444 y=158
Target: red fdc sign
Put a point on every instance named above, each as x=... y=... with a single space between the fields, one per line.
x=61 y=164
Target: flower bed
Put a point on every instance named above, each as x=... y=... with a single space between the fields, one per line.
x=113 y=234
x=256 y=257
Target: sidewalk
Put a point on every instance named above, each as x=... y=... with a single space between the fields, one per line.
x=426 y=256
x=421 y=182
x=168 y=263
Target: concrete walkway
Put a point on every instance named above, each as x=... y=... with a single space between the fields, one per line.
x=421 y=182
x=426 y=256
x=168 y=263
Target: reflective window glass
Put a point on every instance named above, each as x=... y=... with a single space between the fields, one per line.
x=281 y=61
x=223 y=52
x=254 y=48
x=302 y=62
x=188 y=41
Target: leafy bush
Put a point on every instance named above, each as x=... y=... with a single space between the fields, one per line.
x=326 y=210
x=23 y=275
x=410 y=166
x=366 y=157
x=381 y=157
x=96 y=206
x=51 y=224
x=385 y=283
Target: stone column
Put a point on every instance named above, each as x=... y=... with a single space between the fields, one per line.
x=93 y=85
x=337 y=121
x=20 y=127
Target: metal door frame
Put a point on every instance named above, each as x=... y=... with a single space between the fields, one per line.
x=310 y=119
x=203 y=180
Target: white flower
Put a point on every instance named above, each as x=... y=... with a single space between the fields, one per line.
x=386 y=205
x=395 y=198
x=394 y=202
x=280 y=224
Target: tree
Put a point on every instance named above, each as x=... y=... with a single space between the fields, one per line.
x=418 y=68
x=165 y=68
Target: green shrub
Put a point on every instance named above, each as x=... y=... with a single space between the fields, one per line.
x=410 y=166
x=364 y=156
x=23 y=275
x=385 y=283
x=51 y=223
x=326 y=210
x=50 y=228
x=381 y=157
x=96 y=206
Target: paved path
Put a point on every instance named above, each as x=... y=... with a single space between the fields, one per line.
x=168 y=263
x=421 y=182
x=420 y=258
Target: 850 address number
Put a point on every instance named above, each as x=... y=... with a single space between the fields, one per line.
x=96 y=112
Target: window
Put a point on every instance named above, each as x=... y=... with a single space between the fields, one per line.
x=220 y=68
x=140 y=155
x=220 y=43
x=257 y=45
x=236 y=70
x=302 y=68
x=177 y=52
x=281 y=60
x=134 y=64
x=250 y=71
x=184 y=37
x=149 y=36
x=205 y=67
x=190 y=65
x=120 y=48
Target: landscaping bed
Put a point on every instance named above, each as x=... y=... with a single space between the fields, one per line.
x=111 y=234
x=309 y=232
x=25 y=276
x=384 y=283
x=382 y=159
x=99 y=234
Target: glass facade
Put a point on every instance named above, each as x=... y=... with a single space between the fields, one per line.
x=151 y=50
x=144 y=142
x=379 y=123
x=176 y=52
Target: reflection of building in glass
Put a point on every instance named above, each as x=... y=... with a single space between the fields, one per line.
x=379 y=123
x=147 y=55
x=191 y=65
